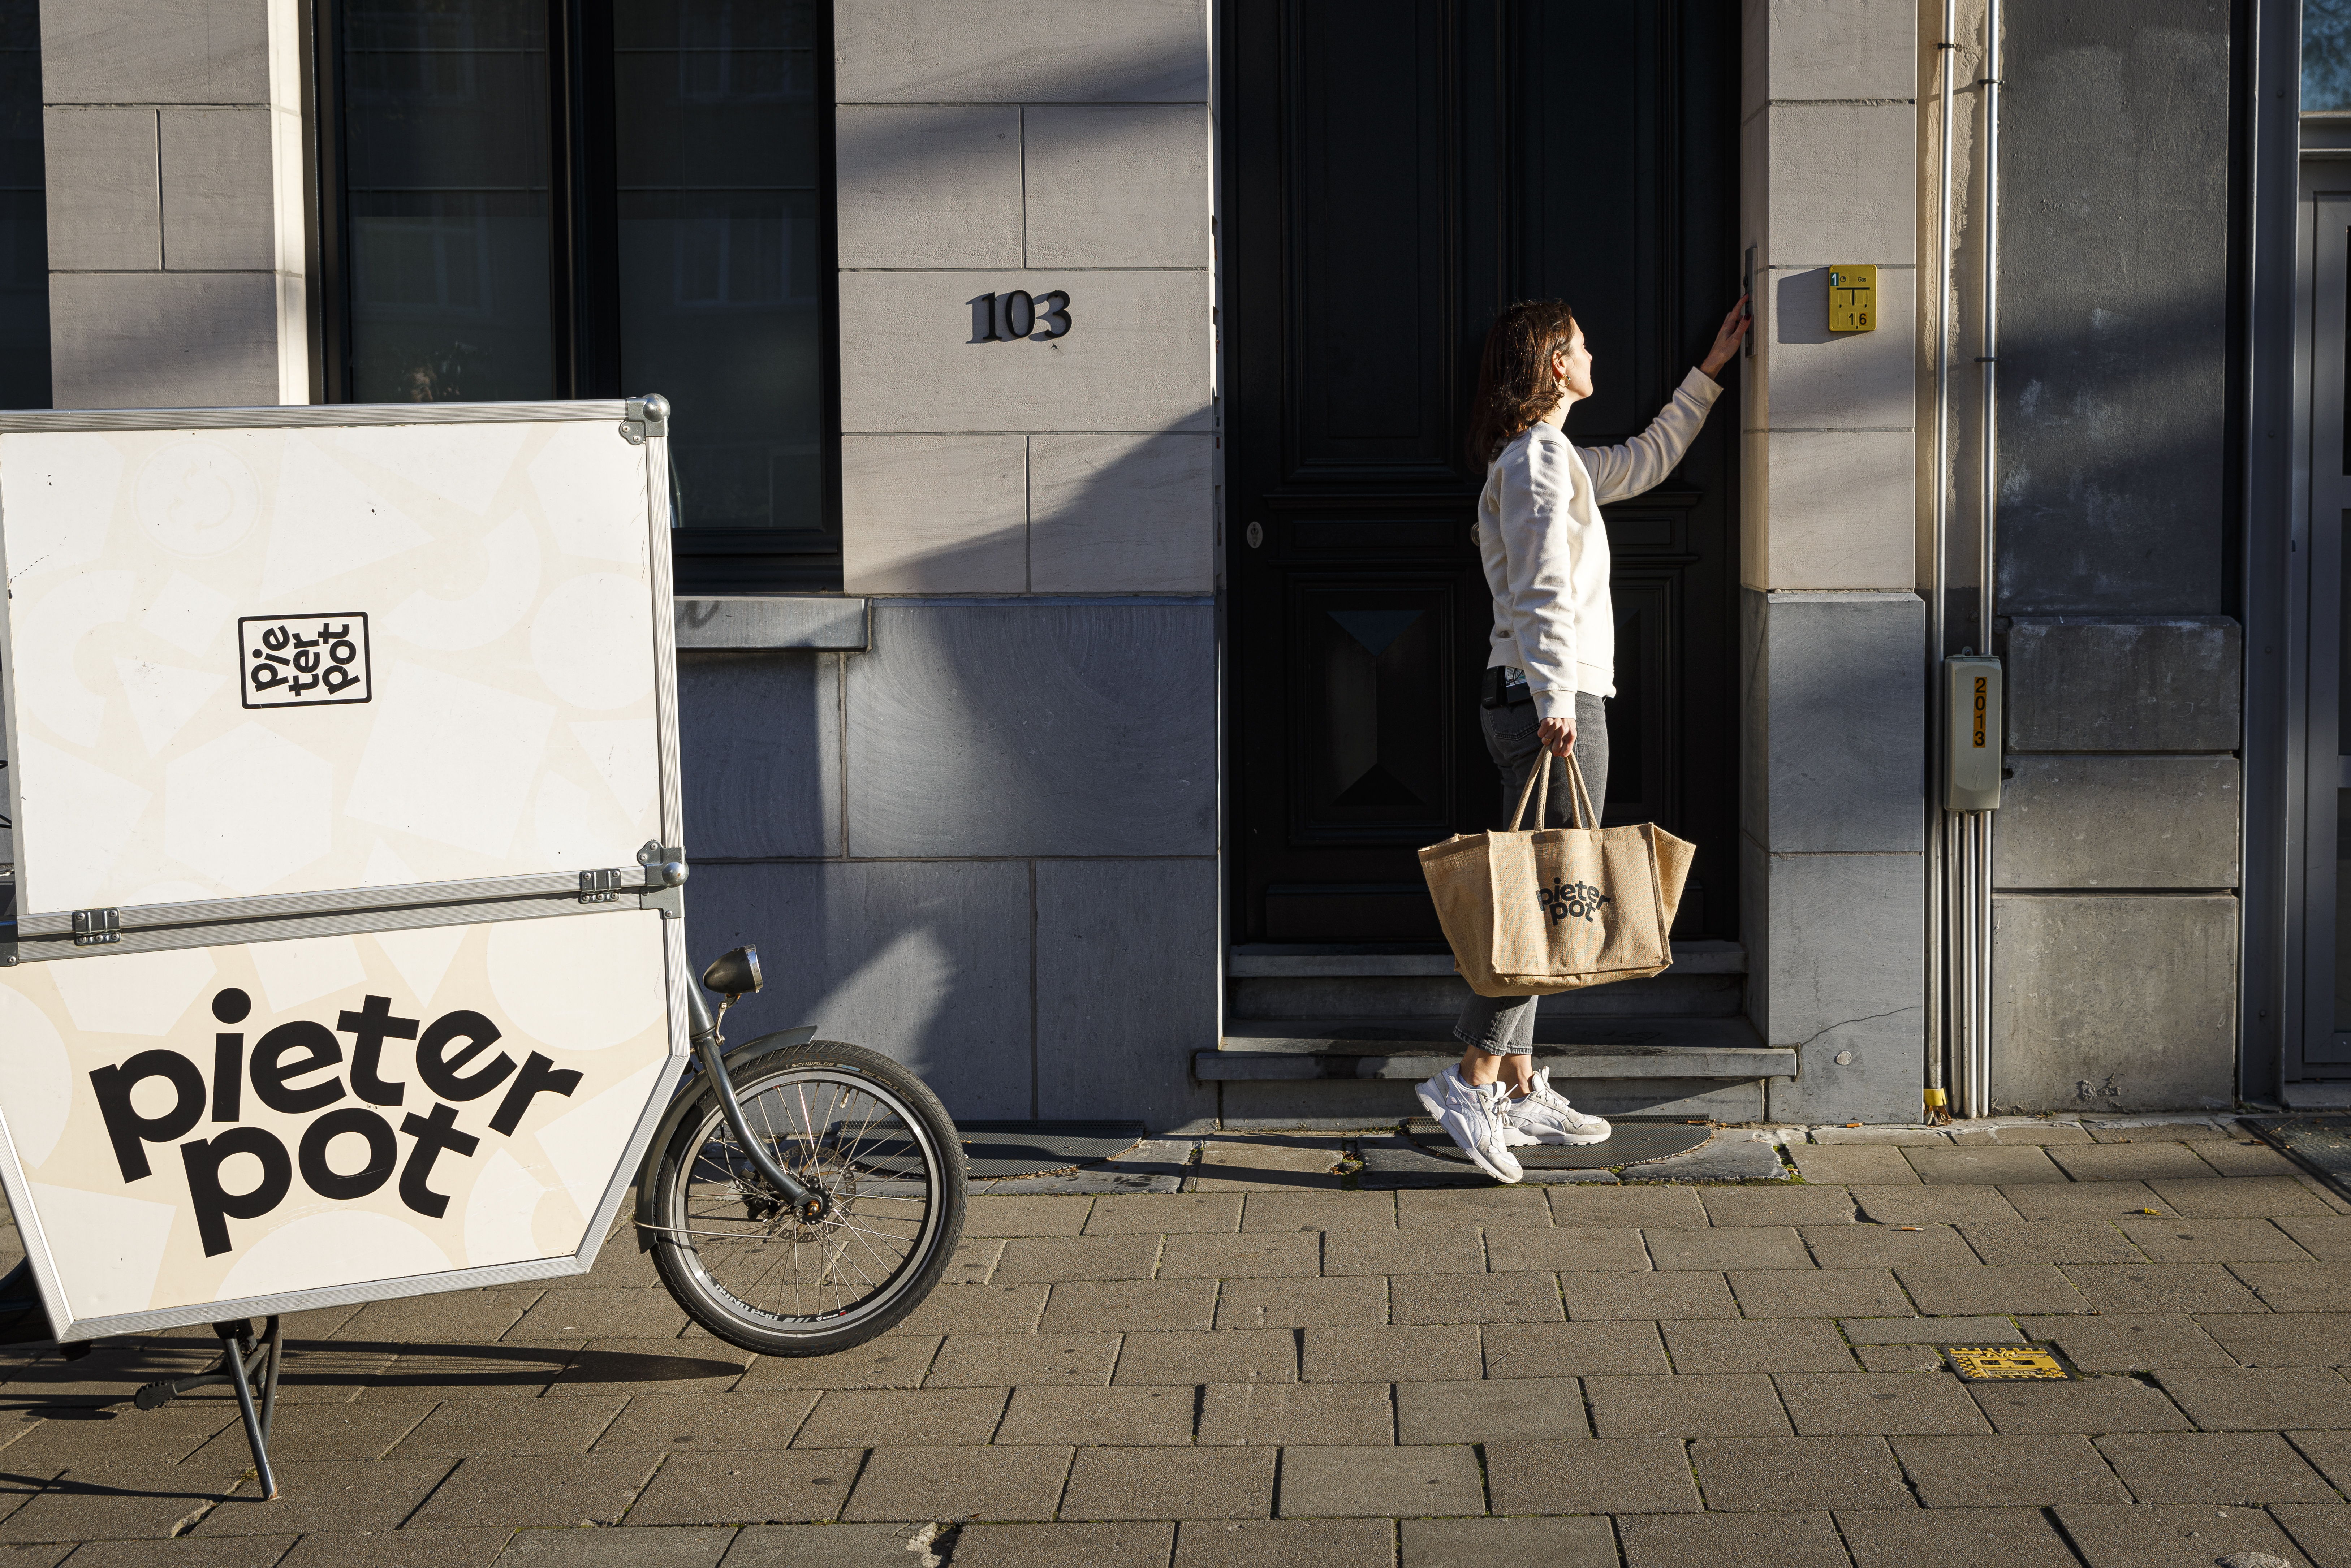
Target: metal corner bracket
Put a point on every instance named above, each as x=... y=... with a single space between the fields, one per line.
x=646 y=416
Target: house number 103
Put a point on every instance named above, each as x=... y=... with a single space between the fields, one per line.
x=1008 y=318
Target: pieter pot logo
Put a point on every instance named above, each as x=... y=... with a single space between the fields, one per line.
x=294 y=1069
x=1565 y=898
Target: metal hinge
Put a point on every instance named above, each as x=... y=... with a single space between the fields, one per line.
x=97 y=928
x=600 y=887
x=646 y=416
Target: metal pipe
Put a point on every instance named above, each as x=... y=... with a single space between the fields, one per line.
x=1936 y=590
x=1980 y=1043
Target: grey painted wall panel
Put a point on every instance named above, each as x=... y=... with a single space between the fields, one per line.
x=2118 y=823
x=154 y=51
x=1845 y=975
x=979 y=728
x=2114 y=279
x=163 y=339
x=1837 y=746
x=761 y=736
x=2086 y=685
x=928 y=962
x=1010 y=51
x=1127 y=955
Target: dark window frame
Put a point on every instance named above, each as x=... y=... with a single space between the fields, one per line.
x=585 y=283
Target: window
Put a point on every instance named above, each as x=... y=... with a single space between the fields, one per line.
x=598 y=198
x=2326 y=56
x=23 y=213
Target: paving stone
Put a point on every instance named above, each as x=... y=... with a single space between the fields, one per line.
x=1484 y=1543
x=1930 y=1331
x=1358 y=1483
x=503 y=1371
x=1844 y=1404
x=2252 y=1467
x=2052 y=1241
x=2298 y=1287
x=1877 y=1165
x=1788 y=1206
x=1766 y=1345
x=1774 y=1475
x=1274 y=1414
x=528 y=1491
x=1165 y=1213
x=1295 y=1303
x=1490 y=1206
x=450 y=1316
x=1226 y=1355
x=952 y=1483
x=1490 y=1411
x=2235 y=1197
x=2156 y=1133
x=1572 y=1248
x=474 y=1548
x=1375 y=1251
x=1817 y=1292
x=2147 y=1536
x=1670 y=1207
x=1879 y=1134
x=1782 y=1540
x=895 y=1418
x=328 y=1432
x=1137 y=1417
x=1727 y=1405
x=1875 y=1246
x=1474 y=1299
x=1088 y=1305
x=1257 y=1255
x=1932 y=1204
x=338 y=1495
x=1395 y=1354
x=2107 y=1200
x=602 y=1314
x=1568 y=1350
x=2260 y=1398
x=1180 y=1483
x=815 y=1545
x=1284 y=1543
x=604 y=1367
x=229 y=1552
x=749 y=1487
x=63 y=1437
x=2130 y=1342
x=1897 y=1358
x=2330 y=1451
x=2087 y=1404
x=2131 y=1161
x=2326 y=1236
x=463 y=1427
x=978 y=1309
x=1241 y=1163
x=2212 y=1241
x=1026 y=1216
x=1590 y=1475
x=2283 y=1339
x=1029 y=1258
x=1319 y=1211
x=892 y=1361
x=2164 y=1288
x=109 y=1374
x=2322 y=1530
x=2036 y=1133
x=48 y=1554
x=1727 y=1247
x=2006 y=1472
x=996 y=1360
x=973 y=1260
x=1130 y=1545
x=2236 y=1159
x=1982 y=1165
x=657 y=1423
x=1995 y=1291
x=1653 y=1296
x=1953 y=1538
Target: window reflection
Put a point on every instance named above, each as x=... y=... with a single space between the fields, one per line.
x=716 y=123
x=449 y=171
x=2326 y=56
x=24 y=228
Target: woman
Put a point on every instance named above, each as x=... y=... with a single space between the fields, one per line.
x=1551 y=664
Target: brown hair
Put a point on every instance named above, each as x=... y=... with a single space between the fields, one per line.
x=1515 y=387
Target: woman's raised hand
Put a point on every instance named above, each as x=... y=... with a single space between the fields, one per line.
x=1727 y=338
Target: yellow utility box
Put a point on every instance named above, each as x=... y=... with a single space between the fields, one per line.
x=1853 y=298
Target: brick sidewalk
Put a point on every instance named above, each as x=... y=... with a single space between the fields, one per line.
x=1275 y=1370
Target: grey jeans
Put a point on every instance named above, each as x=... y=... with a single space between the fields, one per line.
x=1505 y=1025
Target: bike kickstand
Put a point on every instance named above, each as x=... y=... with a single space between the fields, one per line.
x=234 y=1338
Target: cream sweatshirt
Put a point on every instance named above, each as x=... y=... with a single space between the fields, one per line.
x=1545 y=549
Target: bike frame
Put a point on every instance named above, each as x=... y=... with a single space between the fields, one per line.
x=804 y=1200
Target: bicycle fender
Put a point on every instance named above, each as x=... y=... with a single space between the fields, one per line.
x=679 y=1104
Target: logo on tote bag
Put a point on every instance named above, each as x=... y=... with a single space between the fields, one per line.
x=1565 y=898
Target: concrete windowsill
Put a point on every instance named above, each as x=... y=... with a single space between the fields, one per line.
x=750 y=623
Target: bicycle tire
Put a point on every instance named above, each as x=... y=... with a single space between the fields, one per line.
x=681 y=1245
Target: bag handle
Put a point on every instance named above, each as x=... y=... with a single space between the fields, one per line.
x=1579 y=806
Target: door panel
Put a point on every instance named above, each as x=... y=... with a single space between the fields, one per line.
x=2325 y=587
x=1395 y=171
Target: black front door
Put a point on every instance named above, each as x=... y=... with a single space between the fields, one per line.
x=1395 y=171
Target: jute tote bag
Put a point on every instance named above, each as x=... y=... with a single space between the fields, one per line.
x=1557 y=909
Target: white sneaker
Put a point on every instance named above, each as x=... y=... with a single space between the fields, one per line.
x=1544 y=1114
x=1474 y=1118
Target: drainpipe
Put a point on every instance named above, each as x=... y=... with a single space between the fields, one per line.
x=1938 y=1107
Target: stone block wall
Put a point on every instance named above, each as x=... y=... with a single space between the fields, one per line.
x=1832 y=635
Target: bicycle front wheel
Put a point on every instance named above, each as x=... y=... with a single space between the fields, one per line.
x=856 y=1126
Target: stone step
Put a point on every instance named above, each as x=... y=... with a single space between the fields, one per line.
x=1277 y=981
x=1616 y=1049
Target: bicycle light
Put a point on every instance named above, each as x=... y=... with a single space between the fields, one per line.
x=734 y=974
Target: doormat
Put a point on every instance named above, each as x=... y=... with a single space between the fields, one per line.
x=993 y=1149
x=1628 y=1143
x=2319 y=1145
x=2001 y=1363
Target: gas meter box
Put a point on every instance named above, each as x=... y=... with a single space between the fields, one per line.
x=1971 y=750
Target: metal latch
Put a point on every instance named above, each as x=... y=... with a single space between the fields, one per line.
x=600 y=887
x=664 y=865
x=97 y=928
x=646 y=416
